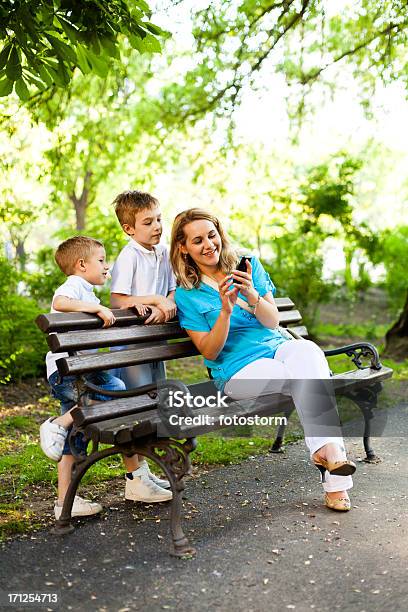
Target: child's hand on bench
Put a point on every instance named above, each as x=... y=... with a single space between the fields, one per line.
x=106 y=315
x=157 y=316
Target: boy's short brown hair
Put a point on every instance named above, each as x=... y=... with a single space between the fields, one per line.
x=77 y=247
x=129 y=203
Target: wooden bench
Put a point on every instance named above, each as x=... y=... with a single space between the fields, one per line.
x=137 y=421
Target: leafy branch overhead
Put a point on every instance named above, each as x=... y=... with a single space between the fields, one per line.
x=43 y=41
x=241 y=44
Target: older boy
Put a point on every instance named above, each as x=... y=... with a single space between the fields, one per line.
x=142 y=276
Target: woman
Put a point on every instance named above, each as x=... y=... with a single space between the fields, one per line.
x=231 y=317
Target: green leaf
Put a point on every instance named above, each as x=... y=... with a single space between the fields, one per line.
x=4 y=55
x=14 y=70
x=6 y=87
x=44 y=73
x=83 y=62
x=109 y=45
x=64 y=51
x=33 y=78
x=152 y=44
x=137 y=43
x=154 y=29
x=71 y=32
x=100 y=67
x=22 y=90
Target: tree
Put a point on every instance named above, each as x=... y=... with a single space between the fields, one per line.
x=96 y=123
x=392 y=250
x=241 y=44
x=43 y=41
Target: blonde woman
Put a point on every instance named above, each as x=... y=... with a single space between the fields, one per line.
x=232 y=318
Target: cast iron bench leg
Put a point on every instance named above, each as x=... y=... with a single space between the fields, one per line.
x=64 y=525
x=173 y=457
x=366 y=400
x=280 y=435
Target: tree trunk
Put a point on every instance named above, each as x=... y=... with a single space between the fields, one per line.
x=21 y=253
x=81 y=203
x=396 y=338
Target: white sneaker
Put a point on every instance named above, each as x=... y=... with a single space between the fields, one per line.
x=52 y=439
x=80 y=507
x=160 y=482
x=142 y=488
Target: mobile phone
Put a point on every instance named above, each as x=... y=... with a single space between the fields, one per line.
x=242 y=267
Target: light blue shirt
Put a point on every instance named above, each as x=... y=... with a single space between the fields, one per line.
x=248 y=340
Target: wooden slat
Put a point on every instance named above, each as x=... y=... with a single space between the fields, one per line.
x=284 y=303
x=70 y=321
x=300 y=330
x=117 y=336
x=81 y=340
x=290 y=316
x=124 y=429
x=121 y=407
x=83 y=364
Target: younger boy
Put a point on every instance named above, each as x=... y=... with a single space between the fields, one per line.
x=83 y=260
x=142 y=276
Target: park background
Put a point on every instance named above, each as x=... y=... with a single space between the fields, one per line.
x=288 y=120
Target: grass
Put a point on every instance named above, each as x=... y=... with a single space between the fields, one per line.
x=368 y=331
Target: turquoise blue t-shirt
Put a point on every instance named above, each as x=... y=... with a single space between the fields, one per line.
x=248 y=340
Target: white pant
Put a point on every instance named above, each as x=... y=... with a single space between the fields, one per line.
x=298 y=369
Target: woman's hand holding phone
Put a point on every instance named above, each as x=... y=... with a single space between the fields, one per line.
x=243 y=280
x=228 y=294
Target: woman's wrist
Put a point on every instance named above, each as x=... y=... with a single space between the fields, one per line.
x=253 y=299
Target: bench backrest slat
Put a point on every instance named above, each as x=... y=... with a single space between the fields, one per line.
x=83 y=364
x=135 y=334
x=76 y=340
x=71 y=321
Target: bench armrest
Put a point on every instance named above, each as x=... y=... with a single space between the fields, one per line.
x=356 y=352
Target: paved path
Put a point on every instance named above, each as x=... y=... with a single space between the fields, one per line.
x=264 y=542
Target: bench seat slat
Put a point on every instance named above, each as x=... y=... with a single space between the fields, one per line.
x=123 y=429
x=121 y=407
x=139 y=409
x=83 y=364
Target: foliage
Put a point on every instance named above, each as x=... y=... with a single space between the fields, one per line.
x=240 y=44
x=22 y=345
x=392 y=251
x=42 y=283
x=296 y=271
x=43 y=42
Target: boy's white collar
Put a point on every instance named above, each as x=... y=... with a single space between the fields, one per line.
x=86 y=284
x=157 y=249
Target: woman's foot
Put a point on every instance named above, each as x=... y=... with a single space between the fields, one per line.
x=338 y=500
x=333 y=458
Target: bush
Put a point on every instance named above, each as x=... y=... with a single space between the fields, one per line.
x=297 y=272
x=42 y=284
x=22 y=345
x=393 y=252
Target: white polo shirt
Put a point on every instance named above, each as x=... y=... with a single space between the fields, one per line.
x=138 y=271
x=76 y=288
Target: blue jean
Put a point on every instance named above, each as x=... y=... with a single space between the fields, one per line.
x=65 y=390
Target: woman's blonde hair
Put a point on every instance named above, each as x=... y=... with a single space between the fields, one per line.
x=186 y=270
